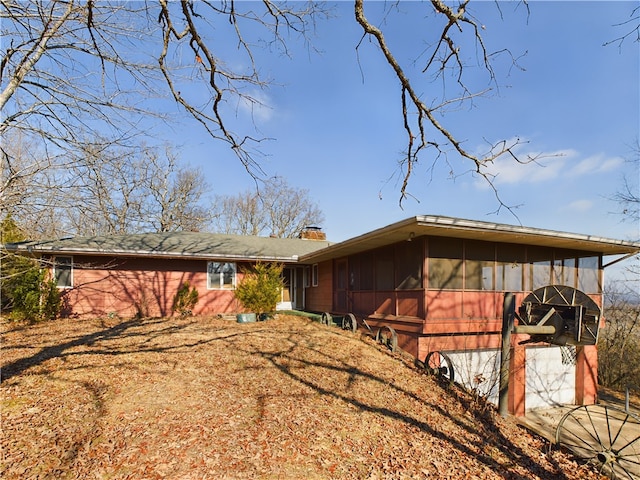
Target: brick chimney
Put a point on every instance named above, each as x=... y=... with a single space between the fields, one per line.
x=312 y=233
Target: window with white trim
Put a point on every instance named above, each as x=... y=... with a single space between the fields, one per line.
x=63 y=271
x=314 y=275
x=221 y=275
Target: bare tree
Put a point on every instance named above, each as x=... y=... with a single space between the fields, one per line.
x=619 y=342
x=276 y=209
x=105 y=189
x=32 y=185
x=126 y=191
x=175 y=196
x=74 y=67
x=628 y=195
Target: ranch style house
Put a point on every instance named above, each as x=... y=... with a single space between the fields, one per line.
x=438 y=283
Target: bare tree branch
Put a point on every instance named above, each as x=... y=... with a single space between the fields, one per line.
x=445 y=51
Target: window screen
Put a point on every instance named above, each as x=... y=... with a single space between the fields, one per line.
x=445 y=263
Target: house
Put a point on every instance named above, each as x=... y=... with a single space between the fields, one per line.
x=139 y=274
x=437 y=282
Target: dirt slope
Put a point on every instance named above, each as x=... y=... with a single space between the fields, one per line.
x=199 y=398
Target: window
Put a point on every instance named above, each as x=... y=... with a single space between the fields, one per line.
x=445 y=263
x=221 y=275
x=63 y=272
x=314 y=275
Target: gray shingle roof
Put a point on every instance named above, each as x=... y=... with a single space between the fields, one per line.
x=178 y=244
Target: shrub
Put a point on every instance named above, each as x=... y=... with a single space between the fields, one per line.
x=33 y=297
x=260 y=289
x=185 y=300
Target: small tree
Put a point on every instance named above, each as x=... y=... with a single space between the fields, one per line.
x=185 y=300
x=260 y=289
x=33 y=297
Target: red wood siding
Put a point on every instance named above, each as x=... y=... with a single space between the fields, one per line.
x=130 y=287
x=319 y=298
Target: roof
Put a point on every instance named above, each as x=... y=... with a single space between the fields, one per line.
x=471 y=229
x=208 y=246
x=212 y=246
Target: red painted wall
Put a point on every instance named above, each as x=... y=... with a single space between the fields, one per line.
x=319 y=298
x=147 y=287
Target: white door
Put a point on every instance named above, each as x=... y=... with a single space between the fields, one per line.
x=550 y=375
x=478 y=371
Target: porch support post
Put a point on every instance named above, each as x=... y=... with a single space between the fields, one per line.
x=508 y=315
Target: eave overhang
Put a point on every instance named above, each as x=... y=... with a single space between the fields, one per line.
x=451 y=227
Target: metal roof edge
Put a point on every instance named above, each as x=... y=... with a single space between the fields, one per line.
x=459 y=224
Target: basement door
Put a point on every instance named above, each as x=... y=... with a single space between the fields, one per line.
x=550 y=374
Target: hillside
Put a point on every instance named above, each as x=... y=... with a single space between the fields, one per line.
x=198 y=398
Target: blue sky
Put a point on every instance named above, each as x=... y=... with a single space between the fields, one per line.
x=335 y=120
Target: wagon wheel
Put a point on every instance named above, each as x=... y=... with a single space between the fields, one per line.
x=364 y=322
x=349 y=322
x=388 y=336
x=439 y=364
x=605 y=436
x=326 y=319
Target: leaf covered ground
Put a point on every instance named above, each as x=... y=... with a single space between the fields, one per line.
x=200 y=398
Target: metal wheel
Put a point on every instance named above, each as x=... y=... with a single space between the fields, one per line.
x=605 y=436
x=439 y=364
x=349 y=322
x=326 y=319
x=388 y=336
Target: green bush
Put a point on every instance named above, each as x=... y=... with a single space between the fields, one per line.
x=32 y=297
x=185 y=300
x=260 y=289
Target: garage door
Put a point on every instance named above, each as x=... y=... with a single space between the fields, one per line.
x=550 y=374
x=478 y=371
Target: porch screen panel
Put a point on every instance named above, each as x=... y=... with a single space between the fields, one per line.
x=540 y=267
x=589 y=275
x=384 y=270
x=510 y=268
x=445 y=263
x=410 y=257
x=479 y=265
x=366 y=271
x=354 y=273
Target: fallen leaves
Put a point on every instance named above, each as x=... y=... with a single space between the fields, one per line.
x=208 y=398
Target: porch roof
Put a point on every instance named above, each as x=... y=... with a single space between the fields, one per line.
x=207 y=246
x=451 y=227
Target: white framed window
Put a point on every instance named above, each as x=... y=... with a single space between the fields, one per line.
x=221 y=275
x=63 y=271
x=314 y=275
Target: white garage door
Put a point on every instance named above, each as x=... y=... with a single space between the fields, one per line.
x=478 y=371
x=550 y=376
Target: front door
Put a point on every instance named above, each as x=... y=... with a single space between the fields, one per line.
x=286 y=296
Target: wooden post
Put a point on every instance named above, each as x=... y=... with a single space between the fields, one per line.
x=508 y=315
